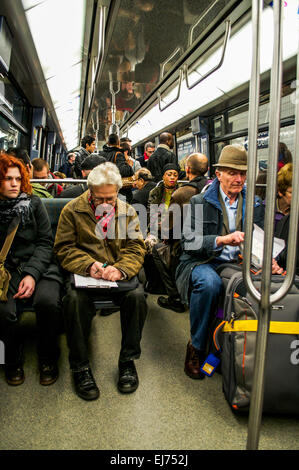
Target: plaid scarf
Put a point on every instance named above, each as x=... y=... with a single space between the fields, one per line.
x=11 y=208
x=104 y=219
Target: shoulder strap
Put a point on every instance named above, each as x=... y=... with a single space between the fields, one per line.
x=7 y=243
x=115 y=155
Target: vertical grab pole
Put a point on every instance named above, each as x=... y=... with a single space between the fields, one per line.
x=256 y=402
x=254 y=93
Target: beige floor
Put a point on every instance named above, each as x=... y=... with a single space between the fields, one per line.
x=168 y=411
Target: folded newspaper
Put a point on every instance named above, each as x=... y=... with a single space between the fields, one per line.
x=258 y=246
x=83 y=281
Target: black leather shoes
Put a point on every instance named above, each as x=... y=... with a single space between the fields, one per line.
x=85 y=385
x=48 y=373
x=193 y=362
x=128 y=379
x=171 y=304
x=14 y=374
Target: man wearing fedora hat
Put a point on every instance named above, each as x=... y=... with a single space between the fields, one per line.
x=219 y=213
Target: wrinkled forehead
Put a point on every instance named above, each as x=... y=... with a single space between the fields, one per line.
x=104 y=190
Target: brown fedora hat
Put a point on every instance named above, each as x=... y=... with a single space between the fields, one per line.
x=233 y=156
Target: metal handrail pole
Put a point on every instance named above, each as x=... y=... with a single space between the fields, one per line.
x=294 y=212
x=163 y=65
x=217 y=66
x=58 y=180
x=198 y=21
x=254 y=92
x=113 y=93
x=256 y=401
x=175 y=98
x=101 y=41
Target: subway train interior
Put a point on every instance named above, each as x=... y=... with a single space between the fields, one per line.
x=211 y=74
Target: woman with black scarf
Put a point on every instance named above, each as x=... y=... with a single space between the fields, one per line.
x=35 y=279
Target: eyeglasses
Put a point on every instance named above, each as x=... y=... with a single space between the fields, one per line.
x=102 y=200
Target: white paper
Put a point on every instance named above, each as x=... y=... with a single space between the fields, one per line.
x=258 y=246
x=83 y=281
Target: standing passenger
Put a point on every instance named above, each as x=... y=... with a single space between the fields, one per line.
x=161 y=156
x=88 y=146
x=149 y=149
x=89 y=242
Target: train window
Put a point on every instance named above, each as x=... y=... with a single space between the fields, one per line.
x=238 y=118
x=219 y=126
x=9 y=136
x=287 y=136
x=13 y=101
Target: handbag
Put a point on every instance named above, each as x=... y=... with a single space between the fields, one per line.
x=5 y=276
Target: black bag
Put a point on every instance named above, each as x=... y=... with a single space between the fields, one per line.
x=238 y=339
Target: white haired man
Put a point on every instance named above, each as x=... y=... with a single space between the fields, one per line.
x=93 y=239
x=222 y=222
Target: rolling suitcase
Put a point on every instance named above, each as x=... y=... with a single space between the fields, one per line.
x=235 y=337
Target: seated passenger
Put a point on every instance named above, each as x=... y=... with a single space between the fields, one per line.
x=35 y=280
x=196 y=168
x=85 y=244
x=282 y=231
x=144 y=183
x=88 y=164
x=42 y=171
x=284 y=191
x=159 y=196
x=218 y=213
x=22 y=155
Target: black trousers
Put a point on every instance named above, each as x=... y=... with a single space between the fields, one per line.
x=46 y=301
x=79 y=310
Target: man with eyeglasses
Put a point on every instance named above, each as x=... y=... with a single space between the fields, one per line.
x=149 y=149
x=98 y=235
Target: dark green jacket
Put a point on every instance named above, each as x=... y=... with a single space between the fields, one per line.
x=32 y=248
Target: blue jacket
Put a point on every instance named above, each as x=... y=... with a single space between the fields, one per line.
x=198 y=240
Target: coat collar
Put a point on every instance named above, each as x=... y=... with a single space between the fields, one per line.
x=211 y=195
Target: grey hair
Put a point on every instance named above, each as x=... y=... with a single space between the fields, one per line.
x=106 y=173
x=149 y=144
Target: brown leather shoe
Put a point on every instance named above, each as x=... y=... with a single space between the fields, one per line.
x=14 y=374
x=48 y=374
x=193 y=362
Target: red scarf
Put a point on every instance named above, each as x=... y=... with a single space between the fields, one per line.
x=104 y=219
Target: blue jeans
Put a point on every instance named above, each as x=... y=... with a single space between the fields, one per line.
x=205 y=286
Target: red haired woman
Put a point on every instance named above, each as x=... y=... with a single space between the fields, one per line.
x=35 y=279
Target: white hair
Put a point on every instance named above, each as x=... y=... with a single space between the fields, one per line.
x=105 y=173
